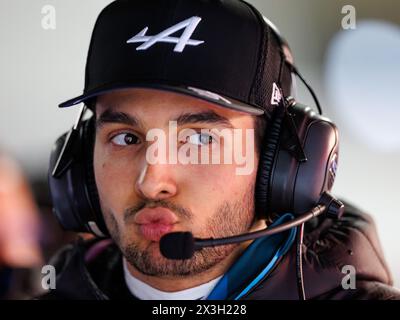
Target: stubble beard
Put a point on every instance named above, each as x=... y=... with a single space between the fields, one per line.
x=231 y=218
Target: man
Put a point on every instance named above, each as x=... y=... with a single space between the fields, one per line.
x=180 y=90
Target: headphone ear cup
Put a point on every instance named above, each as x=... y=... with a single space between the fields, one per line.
x=300 y=185
x=89 y=136
x=73 y=190
x=58 y=188
x=299 y=162
x=266 y=165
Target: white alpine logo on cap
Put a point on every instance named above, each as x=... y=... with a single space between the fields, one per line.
x=189 y=25
x=276 y=96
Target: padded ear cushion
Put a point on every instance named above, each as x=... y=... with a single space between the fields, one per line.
x=63 y=209
x=73 y=189
x=67 y=188
x=266 y=164
x=88 y=134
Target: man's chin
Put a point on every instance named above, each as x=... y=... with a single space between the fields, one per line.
x=153 y=251
x=148 y=260
x=148 y=251
x=152 y=263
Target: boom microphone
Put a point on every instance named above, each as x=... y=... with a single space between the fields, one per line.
x=177 y=245
x=182 y=245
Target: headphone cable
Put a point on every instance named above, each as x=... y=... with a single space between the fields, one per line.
x=297 y=73
x=299 y=262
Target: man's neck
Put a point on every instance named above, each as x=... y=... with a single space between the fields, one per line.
x=172 y=284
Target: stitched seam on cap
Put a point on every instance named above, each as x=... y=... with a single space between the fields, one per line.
x=258 y=56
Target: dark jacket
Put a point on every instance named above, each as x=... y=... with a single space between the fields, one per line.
x=93 y=269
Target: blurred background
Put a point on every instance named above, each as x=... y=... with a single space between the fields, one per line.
x=349 y=51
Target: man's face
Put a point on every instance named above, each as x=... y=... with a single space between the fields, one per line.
x=142 y=201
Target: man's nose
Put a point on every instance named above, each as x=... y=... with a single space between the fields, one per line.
x=156 y=182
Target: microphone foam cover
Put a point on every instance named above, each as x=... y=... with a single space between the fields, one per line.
x=177 y=245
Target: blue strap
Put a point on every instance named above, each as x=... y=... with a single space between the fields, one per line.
x=247 y=268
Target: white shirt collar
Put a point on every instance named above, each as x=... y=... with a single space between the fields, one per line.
x=143 y=291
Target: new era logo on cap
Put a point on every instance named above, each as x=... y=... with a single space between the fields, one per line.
x=276 y=95
x=189 y=25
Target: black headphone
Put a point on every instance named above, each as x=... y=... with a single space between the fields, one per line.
x=72 y=182
x=299 y=158
x=297 y=163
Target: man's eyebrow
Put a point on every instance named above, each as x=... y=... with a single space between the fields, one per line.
x=203 y=117
x=111 y=116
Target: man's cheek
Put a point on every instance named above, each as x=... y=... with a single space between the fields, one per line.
x=111 y=191
x=111 y=172
x=212 y=175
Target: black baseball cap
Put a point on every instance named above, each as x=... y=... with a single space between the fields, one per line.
x=221 y=51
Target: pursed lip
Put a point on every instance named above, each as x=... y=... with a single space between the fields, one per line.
x=155 y=222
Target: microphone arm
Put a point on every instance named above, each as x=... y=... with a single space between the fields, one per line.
x=182 y=245
x=211 y=242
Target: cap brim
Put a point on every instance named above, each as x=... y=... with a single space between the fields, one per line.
x=191 y=91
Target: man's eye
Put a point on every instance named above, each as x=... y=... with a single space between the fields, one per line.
x=125 y=139
x=201 y=139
